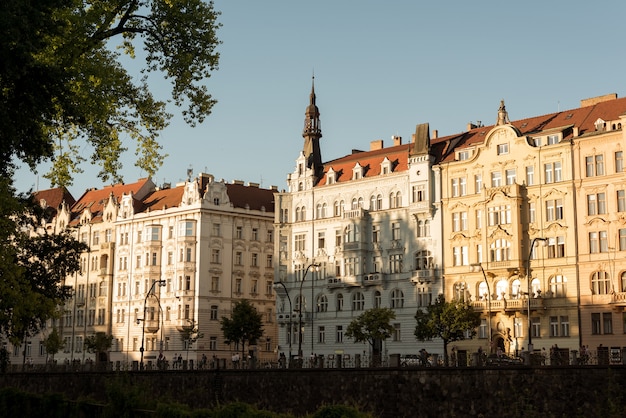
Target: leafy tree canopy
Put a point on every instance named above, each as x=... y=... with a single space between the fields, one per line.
x=62 y=79
x=100 y=342
x=449 y=321
x=32 y=267
x=244 y=326
x=373 y=324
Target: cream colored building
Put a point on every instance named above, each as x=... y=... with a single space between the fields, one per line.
x=358 y=232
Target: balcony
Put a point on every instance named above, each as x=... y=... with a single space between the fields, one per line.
x=152 y=325
x=342 y=282
x=285 y=318
x=508 y=305
x=619 y=299
x=354 y=213
x=373 y=279
x=424 y=276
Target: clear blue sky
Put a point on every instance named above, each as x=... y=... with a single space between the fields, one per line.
x=380 y=68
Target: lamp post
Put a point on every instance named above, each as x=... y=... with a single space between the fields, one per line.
x=143 y=328
x=475 y=267
x=300 y=333
x=290 y=311
x=529 y=276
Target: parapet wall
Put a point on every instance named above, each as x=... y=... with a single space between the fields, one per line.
x=585 y=391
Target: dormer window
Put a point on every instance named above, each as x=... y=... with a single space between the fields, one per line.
x=600 y=125
x=553 y=139
x=503 y=149
x=385 y=166
x=357 y=172
x=463 y=155
x=330 y=176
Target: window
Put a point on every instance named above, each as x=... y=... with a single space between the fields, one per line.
x=239 y=232
x=479 y=218
x=622 y=240
x=460 y=256
x=238 y=283
x=339 y=302
x=395 y=263
x=535 y=326
x=300 y=242
x=530 y=175
x=556 y=247
x=482 y=329
x=500 y=250
x=255 y=234
x=496 y=179
x=511 y=175
x=238 y=258
x=596 y=204
x=463 y=155
x=377 y=299
x=254 y=260
x=375 y=233
x=321 y=334
x=322 y=304
x=215 y=256
x=269 y=261
x=216 y=230
x=553 y=139
x=397 y=299
x=215 y=284
x=554 y=209
x=395 y=231
x=621 y=201
x=619 y=161
x=594 y=165
x=478 y=183
x=376 y=202
x=339 y=333
x=499 y=215
x=558 y=286
x=419 y=193
x=531 y=212
x=600 y=283
x=395 y=200
x=455 y=188
x=358 y=301
x=186 y=229
x=423 y=260
x=596 y=329
x=503 y=149
x=214 y=315
x=423 y=228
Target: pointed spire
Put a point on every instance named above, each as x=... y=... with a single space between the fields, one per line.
x=503 y=116
x=312 y=133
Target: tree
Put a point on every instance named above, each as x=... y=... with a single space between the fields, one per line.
x=63 y=79
x=33 y=266
x=190 y=335
x=99 y=343
x=244 y=326
x=53 y=343
x=450 y=321
x=371 y=326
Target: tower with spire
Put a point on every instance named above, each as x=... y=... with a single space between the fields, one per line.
x=312 y=133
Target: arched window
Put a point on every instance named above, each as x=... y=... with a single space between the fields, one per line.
x=377 y=299
x=324 y=208
x=322 y=304
x=623 y=282
x=397 y=299
x=303 y=213
x=392 y=200
x=318 y=211
x=297 y=214
x=398 y=199
x=535 y=288
x=600 y=283
x=336 y=209
x=502 y=287
x=373 y=203
x=358 y=301
x=423 y=260
x=515 y=289
x=300 y=301
x=558 y=286
x=460 y=290
x=483 y=291
x=339 y=302
x=355 y=203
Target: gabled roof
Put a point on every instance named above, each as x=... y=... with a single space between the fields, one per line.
x=54 y=197
x=95 y=199
x=250 y=197
x=162 y=199
x=583 y=118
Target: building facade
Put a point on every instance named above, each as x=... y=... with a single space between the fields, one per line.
x=355 y=233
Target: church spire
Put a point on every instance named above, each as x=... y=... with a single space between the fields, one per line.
x=312 y=133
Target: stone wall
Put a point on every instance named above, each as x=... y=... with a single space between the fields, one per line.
x=585 y=391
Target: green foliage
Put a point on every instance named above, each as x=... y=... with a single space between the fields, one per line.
x=339 y=411
x=98 y=343
x=53 y=342
x=63 y=79
x=449 y=321
x=373 y=324
x=244 y=326
x=32 y=267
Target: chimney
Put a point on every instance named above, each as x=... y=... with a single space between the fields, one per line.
x=397 y=140
x=435 y=134
x=471 y=126
x=378 y=144
x=599 y=99
x=575 y=131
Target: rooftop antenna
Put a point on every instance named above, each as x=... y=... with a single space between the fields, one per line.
x=189 y=173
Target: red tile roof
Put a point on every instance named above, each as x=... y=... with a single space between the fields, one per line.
x=251 y=197
x=54 y=197
x=163 y=199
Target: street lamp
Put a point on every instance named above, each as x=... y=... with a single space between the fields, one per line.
x=143 y=328
x=300 y=333
x=529 y=276
x=290 y=311
x=476 y=267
